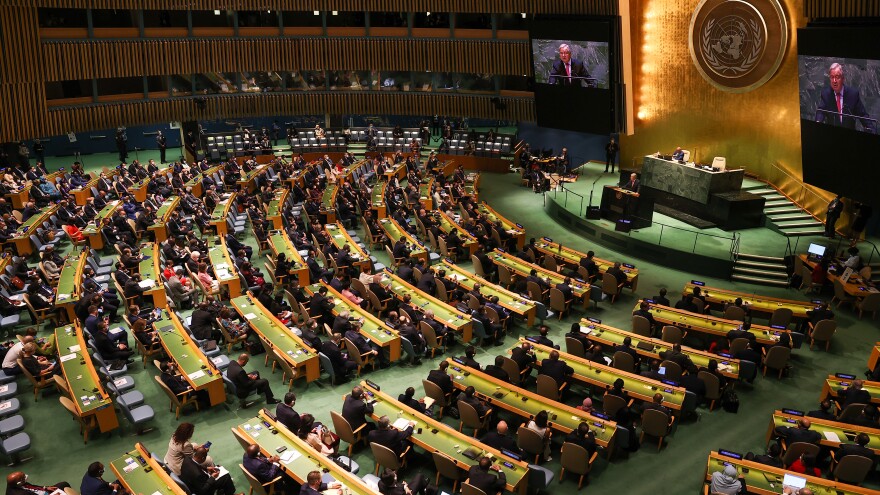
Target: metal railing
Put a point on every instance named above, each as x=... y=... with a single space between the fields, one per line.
x=560 y=187
x=802 y=194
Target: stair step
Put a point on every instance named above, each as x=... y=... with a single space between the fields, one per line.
x=759 y=272
x=760 y=265
x=776 y=218
x=760 y=257
x=771 y=210
x=771 y=195
x=777 y=202
x=761 y=190
x=798 y=233
x=760 y=280
x=800 y=223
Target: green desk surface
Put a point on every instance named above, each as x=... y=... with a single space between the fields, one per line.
x=425 y=188
x=165 y=210
x=834 y=384
x=846 y=433
x=378 y=196
x=523 y=268
x=138 y=479
x=372 y=328
x=493 y=217
x=191 y=361
x=88 y=393
x=219 y=256
x=278 y=335
x=756 y=302
x=445 y=440
x=328 y=199
x=607 y=335
x=259 y=169
x=280 y=243
x=394 y=233
x=573 y=257
x=708 y=324
x=68 y=283
x=277 y=202
x=198 y=177
x=466 y=279
x=639 y=387
x=221 y=210
x=443 y=312
x=563 y=418
x=147 y=267
x=30 y=226
x=340 y=238
x=94 y=226
x=759 y=476
x=447 y=225
x=304 y=459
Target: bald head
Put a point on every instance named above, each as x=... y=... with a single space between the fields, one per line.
x=15 y=478
x=252 y=451
x=243 y=359
x=804 y=423
x=501 y=428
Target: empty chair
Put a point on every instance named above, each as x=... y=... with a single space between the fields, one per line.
x=137 y=416
x=575 y=459
x=343 y=428
x=671 y=334
x=871 y=303
x=12 y=446
x=86 y=423
x=434 y=391
x=655 y=423
x=822 y=332
x=641 y=326
x=776 y=358
x=840 y=294
x=733 y=312
x=470 y=417
x=797 y=449
x=852 y=469
x=781 y=317
x=447 y=468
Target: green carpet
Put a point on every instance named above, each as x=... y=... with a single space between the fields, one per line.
x=59 y=453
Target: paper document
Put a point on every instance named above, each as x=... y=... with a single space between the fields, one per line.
x=290 y=455
x=428 y=402
x=401 y=423
x=68 y=357
x=586 y=330
x=250 y=316
x=116 y=330
x=74 y=348
x=831 y=436
x=62 y=296
x=222 y=471
x=146 y=284
x=195 y=375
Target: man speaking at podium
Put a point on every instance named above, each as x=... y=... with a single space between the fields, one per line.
x=633 y=184
x=567 y=71
x=841 y=105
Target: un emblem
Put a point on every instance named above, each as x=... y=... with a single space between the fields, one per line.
x=737 y=45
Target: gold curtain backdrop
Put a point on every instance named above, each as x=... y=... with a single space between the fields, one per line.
x=675 y=106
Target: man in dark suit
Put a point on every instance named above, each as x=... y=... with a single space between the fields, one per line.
x=342 y=366
x=93 y=482
x=644 y=311
x=859 y=448
x=626 y=347
x=481 y=477
x=202 y=323
x=408 y=398
x=497 y=370
x=286 y=415
x=633 y=184
x=441 y=378
x=388 y=436
x=470 y=397
x=556 y=368
x=314 y=486
x=676 y=356
x=355 y=409
x=17 y=484
x=841 y=105
x=524 y=358
x=499 y=439
x=801 y=433
x=617 y=272
x=854 y=394
x=565 y=288
x=246 y=382
x=657 y=404
x=266 y=469
x=542 y=338
x=533 y=277
x=824 y=411
x=204 y=480
x=814 y=316
x=590 y=264
x=568 y=71
x=661 y=298
x=468 y=358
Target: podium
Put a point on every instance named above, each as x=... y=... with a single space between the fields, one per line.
x=620 y=204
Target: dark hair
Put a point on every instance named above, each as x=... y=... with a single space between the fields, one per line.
x=307 y=422
x=94 y=469
x=541 y=419
x=183 y=432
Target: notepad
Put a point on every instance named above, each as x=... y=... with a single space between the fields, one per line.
x=586 y=330
x=116 y=330
x=428 y=401
x=831 y=436
x=130 y=467
x=250 y=316
x=401 y=423
x=145 y=284
x=68 y=357
x=290 y=455
x=74 y=348
x=62 y=296
x=195 y=375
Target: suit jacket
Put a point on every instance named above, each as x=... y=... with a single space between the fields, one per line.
x=202 y=324
x=496 y=441
x=261 y=468
x=632 y=185
x=239 y=377
x=850 y=396
x=487 y=481
x=558 y=370
x=522 y=359
x=332 y=352
x=287 y=416
x=355 y=410
x=558 y=74
x=852 y=104
x=793 y=434
x=497 y=372
x=441 y=379
x=854 y=449
x=196 y=478
x=94 y=486
x=392 y=438
x=566 y=291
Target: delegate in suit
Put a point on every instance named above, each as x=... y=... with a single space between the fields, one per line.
x=569 y=71
x=841 y=105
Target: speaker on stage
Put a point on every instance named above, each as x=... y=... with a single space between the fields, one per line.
x=594 y=213
x=623 y=225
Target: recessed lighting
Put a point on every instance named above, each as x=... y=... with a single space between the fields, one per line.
x=523 y=14
x=335 y=12
x=317 y=13
x=216 y=12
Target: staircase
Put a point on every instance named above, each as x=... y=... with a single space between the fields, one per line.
x=784 y=216
x=763 y=270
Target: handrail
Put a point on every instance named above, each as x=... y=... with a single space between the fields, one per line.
x=561 y=187
x=804 y=189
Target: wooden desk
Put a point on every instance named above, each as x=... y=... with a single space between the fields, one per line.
x=855 y=286
x=20 y=198
x=248 y=181
x=85 y=192
x=472 y=185
x=159 y=230
x=139 y=473
x=339 y=237
x=845 y=432
x=509 y=300
x=304 y=459
x=195 y=184
x=610 y=337
x=22 y=237
x=398 y=170
x=874 y=357
x=139 y=189
x=394 y=232
x=435 y=436
x=302 y=358
x=833 y=384
x=275 y=208
x=601 y=376
x=425 y=197
x=759 y=475
x=711 y=325
x=221 y=214
x=514 y=229
x=149 y=270
x=443 y=313
x=197 y=369
x=447 y=225
x=378 y=200
x=67 y=293
x=93 y=229
x=328 y=203
x=373 y=328
x=86 y=388
x=224 y=268
x=517 y=266
x=572 y=258
x=280 y=243
x=758 y=304
x=564 y=418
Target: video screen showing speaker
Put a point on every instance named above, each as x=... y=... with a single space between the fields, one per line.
x=574 y=66
x=839 y=92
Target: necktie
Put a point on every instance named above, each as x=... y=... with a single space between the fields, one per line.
x=839 y=105
x=568 y=71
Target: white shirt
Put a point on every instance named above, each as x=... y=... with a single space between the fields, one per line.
x=10 y=361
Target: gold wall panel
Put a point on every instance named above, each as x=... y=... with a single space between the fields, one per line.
x=675 y=106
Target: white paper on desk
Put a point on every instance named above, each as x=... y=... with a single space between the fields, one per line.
x=221 y=266
x=428 y=402
x=62 y=296
x=831 y=436
x=74 y=348
x=146 y=284
x=131 y=467
x=57 y=492
x=116 y=330
x=401 y=423
x=17 y=297
x=222 y=471
x=221 y=273
x=586 y=330
x=156 y=493
x=68 y=357
x=607 y=360
x=289 y=456
x=195 y=375
x=250 y=316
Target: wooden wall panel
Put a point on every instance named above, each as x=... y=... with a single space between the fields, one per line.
x=22 y=91
x=815 y=9
x=219 y=107
x=101 y=59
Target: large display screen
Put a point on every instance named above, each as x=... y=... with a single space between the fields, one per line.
x=839 y=93
x=573 y=61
